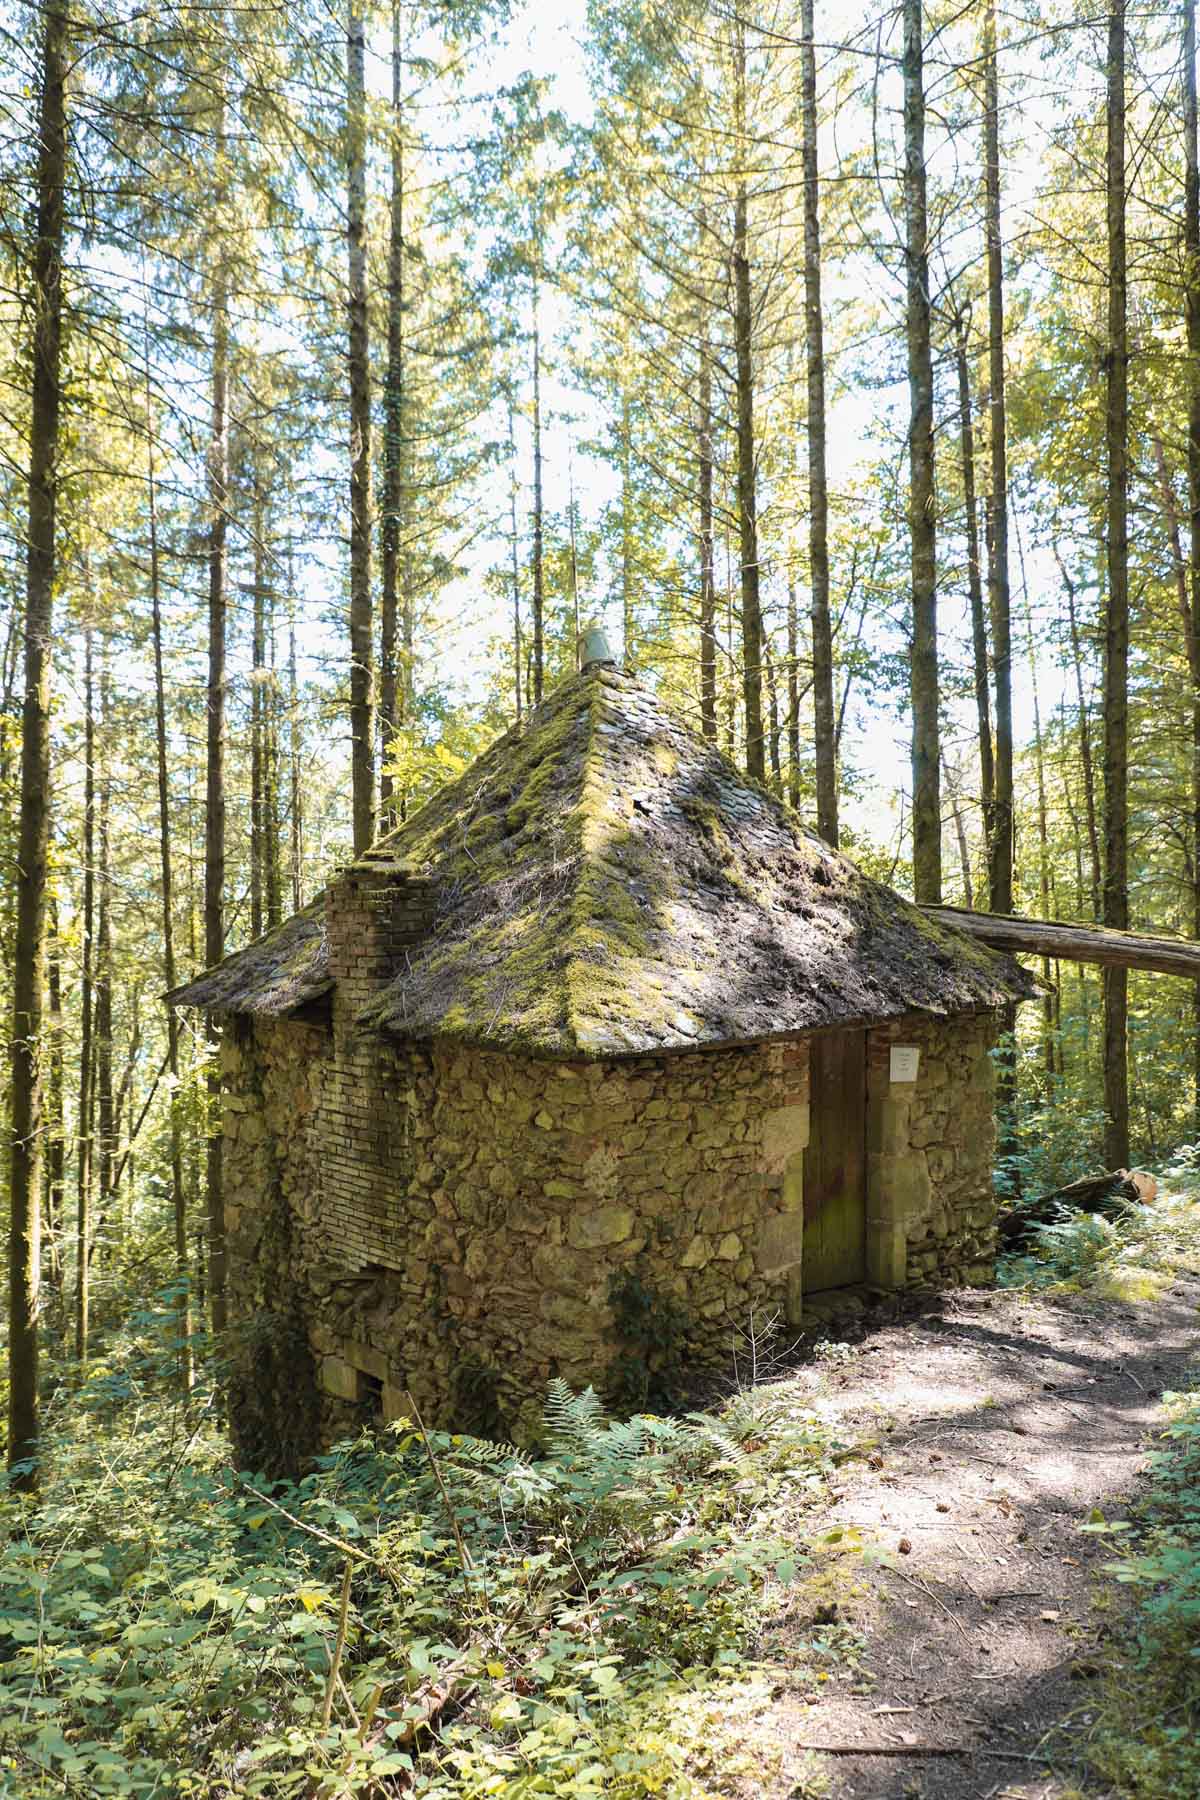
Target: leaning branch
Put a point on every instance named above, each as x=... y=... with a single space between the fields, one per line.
x=1070 y=942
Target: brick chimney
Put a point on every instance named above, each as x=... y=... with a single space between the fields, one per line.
x=372 y=916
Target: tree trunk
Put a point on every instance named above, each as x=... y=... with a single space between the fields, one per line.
x=258 y=658
x=84 y=1143
x=214 y=824
x=1116 y=635
x=170 y=974
x=56 y=1139
x=793 y=689
x=627 y=579
x=731 y=654
x=776 y=727
x=539 y=574
x=33 y=832
x=1000 y=874
x=1070 y=941
x=979 y=636
x=1085 y=742
x=516 y=557
x=747 y=472
x=362 y=747
x=295 y=747
x=393 y=439
x=926 y=801
x=106 y=1147
x=825 y=750
x=708 y=578
x=1191 y=243
x=1048 y=1022
x=573 y=555
x=960 y=833
x=272 y=874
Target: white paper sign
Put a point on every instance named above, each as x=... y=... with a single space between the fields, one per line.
x=906 y=1060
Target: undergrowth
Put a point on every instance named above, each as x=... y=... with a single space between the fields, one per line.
x=1146 y=1740
x=1129 y=1257
x=1145 y=1734
x=577 y=1624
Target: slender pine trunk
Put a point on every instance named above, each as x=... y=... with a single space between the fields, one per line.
x=295 y=747
x=573 y=548
x=33 y=831
x=362 y=730
x=214 y=823
x=106 y=1148
x=166 y=877
x=87 y=955
x=979 y=635
x=258 y=659
x=707 y=548
x=960 y=832
x=56 y=1136
x=1043 y=830
x=774 y=716
x=747 y=462
x=1116 y=635
x=1086 y=758
x=515 y=553
x=393 y=438
x=272 y=874
x=1000 y=875
x=1191 y=244
x=627 y=581
x=793 y=691
x=539 y=575
x=824 y=741
x=926 y=800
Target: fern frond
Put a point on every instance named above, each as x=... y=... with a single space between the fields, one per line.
x=572 y=1422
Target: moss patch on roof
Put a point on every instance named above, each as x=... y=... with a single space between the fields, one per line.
x=271 y=977
x=608 y=883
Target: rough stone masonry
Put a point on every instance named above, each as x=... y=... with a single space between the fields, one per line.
x=446 y=1221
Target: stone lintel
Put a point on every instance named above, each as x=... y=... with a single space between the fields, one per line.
x=364 y=1358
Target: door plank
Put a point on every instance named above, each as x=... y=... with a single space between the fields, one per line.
x=835 y=1163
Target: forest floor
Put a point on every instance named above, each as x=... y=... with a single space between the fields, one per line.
x=882 y=1571
x=1002 y=1420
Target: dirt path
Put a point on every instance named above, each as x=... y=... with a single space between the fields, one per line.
x=1000 y=1421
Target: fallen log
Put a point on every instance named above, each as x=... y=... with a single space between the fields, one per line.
x=1110 y=1195
x=1068 y=941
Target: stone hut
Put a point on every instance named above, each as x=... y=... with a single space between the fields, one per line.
x=593 y=1058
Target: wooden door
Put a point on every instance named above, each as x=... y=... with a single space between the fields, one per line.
x=835 y=1163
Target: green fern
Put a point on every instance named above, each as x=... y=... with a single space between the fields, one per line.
x=573 y=1422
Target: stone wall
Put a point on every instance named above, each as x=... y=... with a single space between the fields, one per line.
x=451 y=1220
x=931 y=1212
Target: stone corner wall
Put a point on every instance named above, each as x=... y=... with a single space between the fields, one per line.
x=931 y=1207
x=456 y=1224
x=459 y=1225
x=271 y=1077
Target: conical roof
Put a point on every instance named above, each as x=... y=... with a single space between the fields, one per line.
x=608 y=883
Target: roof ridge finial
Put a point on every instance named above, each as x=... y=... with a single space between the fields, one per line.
x=594 y=650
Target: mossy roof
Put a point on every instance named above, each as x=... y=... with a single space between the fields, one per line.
x=608 y=883
x=275 y=975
